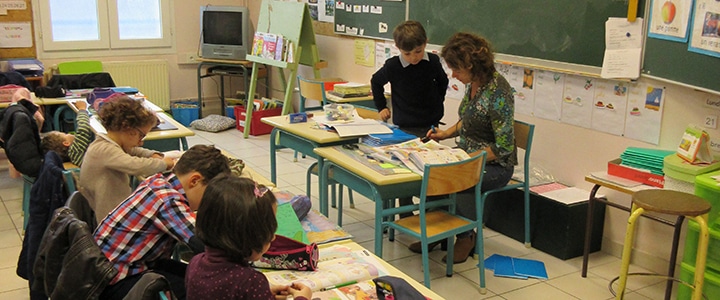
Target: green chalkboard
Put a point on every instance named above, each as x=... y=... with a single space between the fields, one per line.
x=368 y=16
x=570 y=31
x=672 y=61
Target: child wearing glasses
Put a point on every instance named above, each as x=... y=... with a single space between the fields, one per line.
x=141 y=232
x=116 y=155
x=222 y=271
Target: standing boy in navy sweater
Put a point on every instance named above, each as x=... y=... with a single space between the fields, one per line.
x=417 y=82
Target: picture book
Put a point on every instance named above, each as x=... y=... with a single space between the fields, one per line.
x=694 y=146
x=269 y=45
x=338 y=265
x=422 y=158
x=257 y=45
x=414 y=154
x=280 y=47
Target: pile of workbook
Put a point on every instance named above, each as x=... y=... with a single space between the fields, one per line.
x=644 y=158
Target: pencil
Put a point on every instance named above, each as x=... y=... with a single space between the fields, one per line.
x=338 y=285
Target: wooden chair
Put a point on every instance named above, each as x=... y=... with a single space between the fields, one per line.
x=311 y=90
x=437 y=219
x=523 y=140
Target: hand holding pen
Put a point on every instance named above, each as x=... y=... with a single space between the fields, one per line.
x=429 y=135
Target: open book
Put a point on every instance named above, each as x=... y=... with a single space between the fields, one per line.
x=339 y=265
x=415 y=154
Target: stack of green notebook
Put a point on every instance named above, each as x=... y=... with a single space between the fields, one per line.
x=644 y=158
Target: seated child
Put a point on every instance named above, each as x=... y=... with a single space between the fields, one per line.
x=20 y=133
x=113 y=157
x=222 y=271
x=71 y=147
x=141 y=232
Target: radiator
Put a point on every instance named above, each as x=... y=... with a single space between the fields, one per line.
x=150 y=77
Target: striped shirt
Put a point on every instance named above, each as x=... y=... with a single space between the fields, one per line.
x=146 y=226
x=83 y=137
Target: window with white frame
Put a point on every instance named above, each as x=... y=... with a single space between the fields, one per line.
x=105 y=24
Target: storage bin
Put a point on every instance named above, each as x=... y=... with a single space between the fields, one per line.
x=257 y=127
x=707 y=188
x=691 y=240
x=230 y=111
x=185 y=111
x=680 y=175
x=711 y=285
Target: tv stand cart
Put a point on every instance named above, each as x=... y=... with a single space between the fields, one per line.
x=227 y=68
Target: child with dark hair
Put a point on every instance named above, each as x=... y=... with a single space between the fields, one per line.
x=236 y=221
x=141 y=232
x=71 y=147
x=113 y=157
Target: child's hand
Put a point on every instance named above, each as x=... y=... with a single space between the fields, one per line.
x=384 y=114
x=298 y=289
x=280 y=291
x=170 y=162
x=81 y=105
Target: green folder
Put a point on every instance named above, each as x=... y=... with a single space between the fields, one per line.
x=289 y=225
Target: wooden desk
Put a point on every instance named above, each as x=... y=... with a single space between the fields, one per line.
x=242 y=68
x=392 y=270
x=302 y=137
x=383 y=189
x=627 y=190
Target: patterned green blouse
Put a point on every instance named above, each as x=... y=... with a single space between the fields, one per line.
x=488 y=121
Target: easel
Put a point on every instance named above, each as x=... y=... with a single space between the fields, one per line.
x=292 y=20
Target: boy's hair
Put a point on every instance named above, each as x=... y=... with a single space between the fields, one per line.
x=124 y=113
x=234 y=219
x=54 y=141
x=409 y=35
x=205 y=159
x=469 y=51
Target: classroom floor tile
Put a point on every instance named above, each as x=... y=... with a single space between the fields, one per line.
x=564 y=280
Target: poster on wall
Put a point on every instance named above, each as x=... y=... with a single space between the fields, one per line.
x=644 y=112
x=15 y=35
x=548 y=94
x=522 y=81
x=608 y=114
x=669 y=19
x=705 y=30
x=577 y=100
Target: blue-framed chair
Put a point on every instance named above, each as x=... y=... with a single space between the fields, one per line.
x=523 y=140
x=437 y=219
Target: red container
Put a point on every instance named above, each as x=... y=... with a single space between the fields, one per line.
x=616 y=169
x=256 y=126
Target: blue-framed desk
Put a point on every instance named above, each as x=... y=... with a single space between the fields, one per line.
x=362 y=179
x=160 y=140
x=303 y=137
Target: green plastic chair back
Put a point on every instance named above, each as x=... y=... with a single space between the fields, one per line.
x=80 y=67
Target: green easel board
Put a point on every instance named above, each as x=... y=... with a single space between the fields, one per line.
x=292 y=20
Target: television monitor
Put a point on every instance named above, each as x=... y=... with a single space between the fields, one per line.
x=224 y=32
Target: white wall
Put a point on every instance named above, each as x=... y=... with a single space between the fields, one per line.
x=567 y=152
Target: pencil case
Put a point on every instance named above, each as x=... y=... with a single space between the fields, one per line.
x=288 y=254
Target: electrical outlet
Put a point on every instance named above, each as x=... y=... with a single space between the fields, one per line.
x=187 y=58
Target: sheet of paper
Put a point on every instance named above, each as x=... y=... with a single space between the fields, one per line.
x=623 y=48
x=357 y=127
x=569 y=195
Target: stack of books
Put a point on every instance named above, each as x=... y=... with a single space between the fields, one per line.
x=646 y=159
x=351 y=89
x=272 y=46
x=397 y=136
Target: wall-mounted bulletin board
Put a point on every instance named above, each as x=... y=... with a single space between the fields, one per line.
x=671 y=60
x=369 y=18
x=17 y=39
x=570 y=31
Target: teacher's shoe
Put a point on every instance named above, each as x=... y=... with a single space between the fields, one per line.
x=417 y=246
x=464 y=248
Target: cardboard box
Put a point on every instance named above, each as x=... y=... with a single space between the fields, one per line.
x=257 y=127
x=556 y=228
x=616 y=169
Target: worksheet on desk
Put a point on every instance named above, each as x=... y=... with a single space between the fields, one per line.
x=356 y=127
